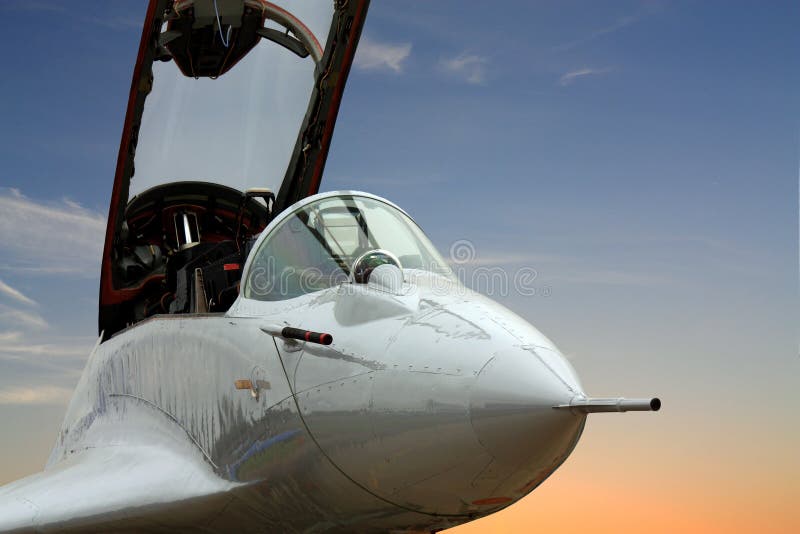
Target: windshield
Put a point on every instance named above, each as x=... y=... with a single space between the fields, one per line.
x=237 y=125
x=315 y=246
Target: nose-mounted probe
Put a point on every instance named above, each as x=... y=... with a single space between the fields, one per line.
x=596 y=405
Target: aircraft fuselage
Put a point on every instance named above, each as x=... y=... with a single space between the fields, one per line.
x=429 y=409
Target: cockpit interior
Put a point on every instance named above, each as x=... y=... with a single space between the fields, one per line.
x=185 y=247
x=183 y=244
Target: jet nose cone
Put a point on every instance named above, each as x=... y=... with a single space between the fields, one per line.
x=511 y=409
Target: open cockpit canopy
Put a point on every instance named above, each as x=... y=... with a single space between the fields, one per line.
x=226 y=104
x=229 y=121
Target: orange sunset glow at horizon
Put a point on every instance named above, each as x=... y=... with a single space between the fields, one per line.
x=622 y=179
x=702 y=491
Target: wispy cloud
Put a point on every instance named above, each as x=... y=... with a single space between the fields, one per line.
x=501 y=259
x=6 y=337
x=15 y=294
x=35 y=395
x=469 y=67
x=554 y=267
x=116 y=23
x=420 y=179
x=573 y=75
x=47 y=237
x=611 y=278
x=32 y=5
x=42 y=237
x=38 y=367
x=52 y=350
x=600 y=32
x=373 y=55
x=27 y=319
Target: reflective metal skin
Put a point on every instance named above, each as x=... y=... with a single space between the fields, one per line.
x=385 y=397
x=433 y=406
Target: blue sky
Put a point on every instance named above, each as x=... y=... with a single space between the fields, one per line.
x=641 y=156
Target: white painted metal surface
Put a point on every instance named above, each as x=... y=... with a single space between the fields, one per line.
x=433 y=406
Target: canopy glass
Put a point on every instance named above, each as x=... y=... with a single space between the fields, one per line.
x=235 y=127
x=317 y=245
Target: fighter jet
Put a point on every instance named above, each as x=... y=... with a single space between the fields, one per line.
x=275 y=359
